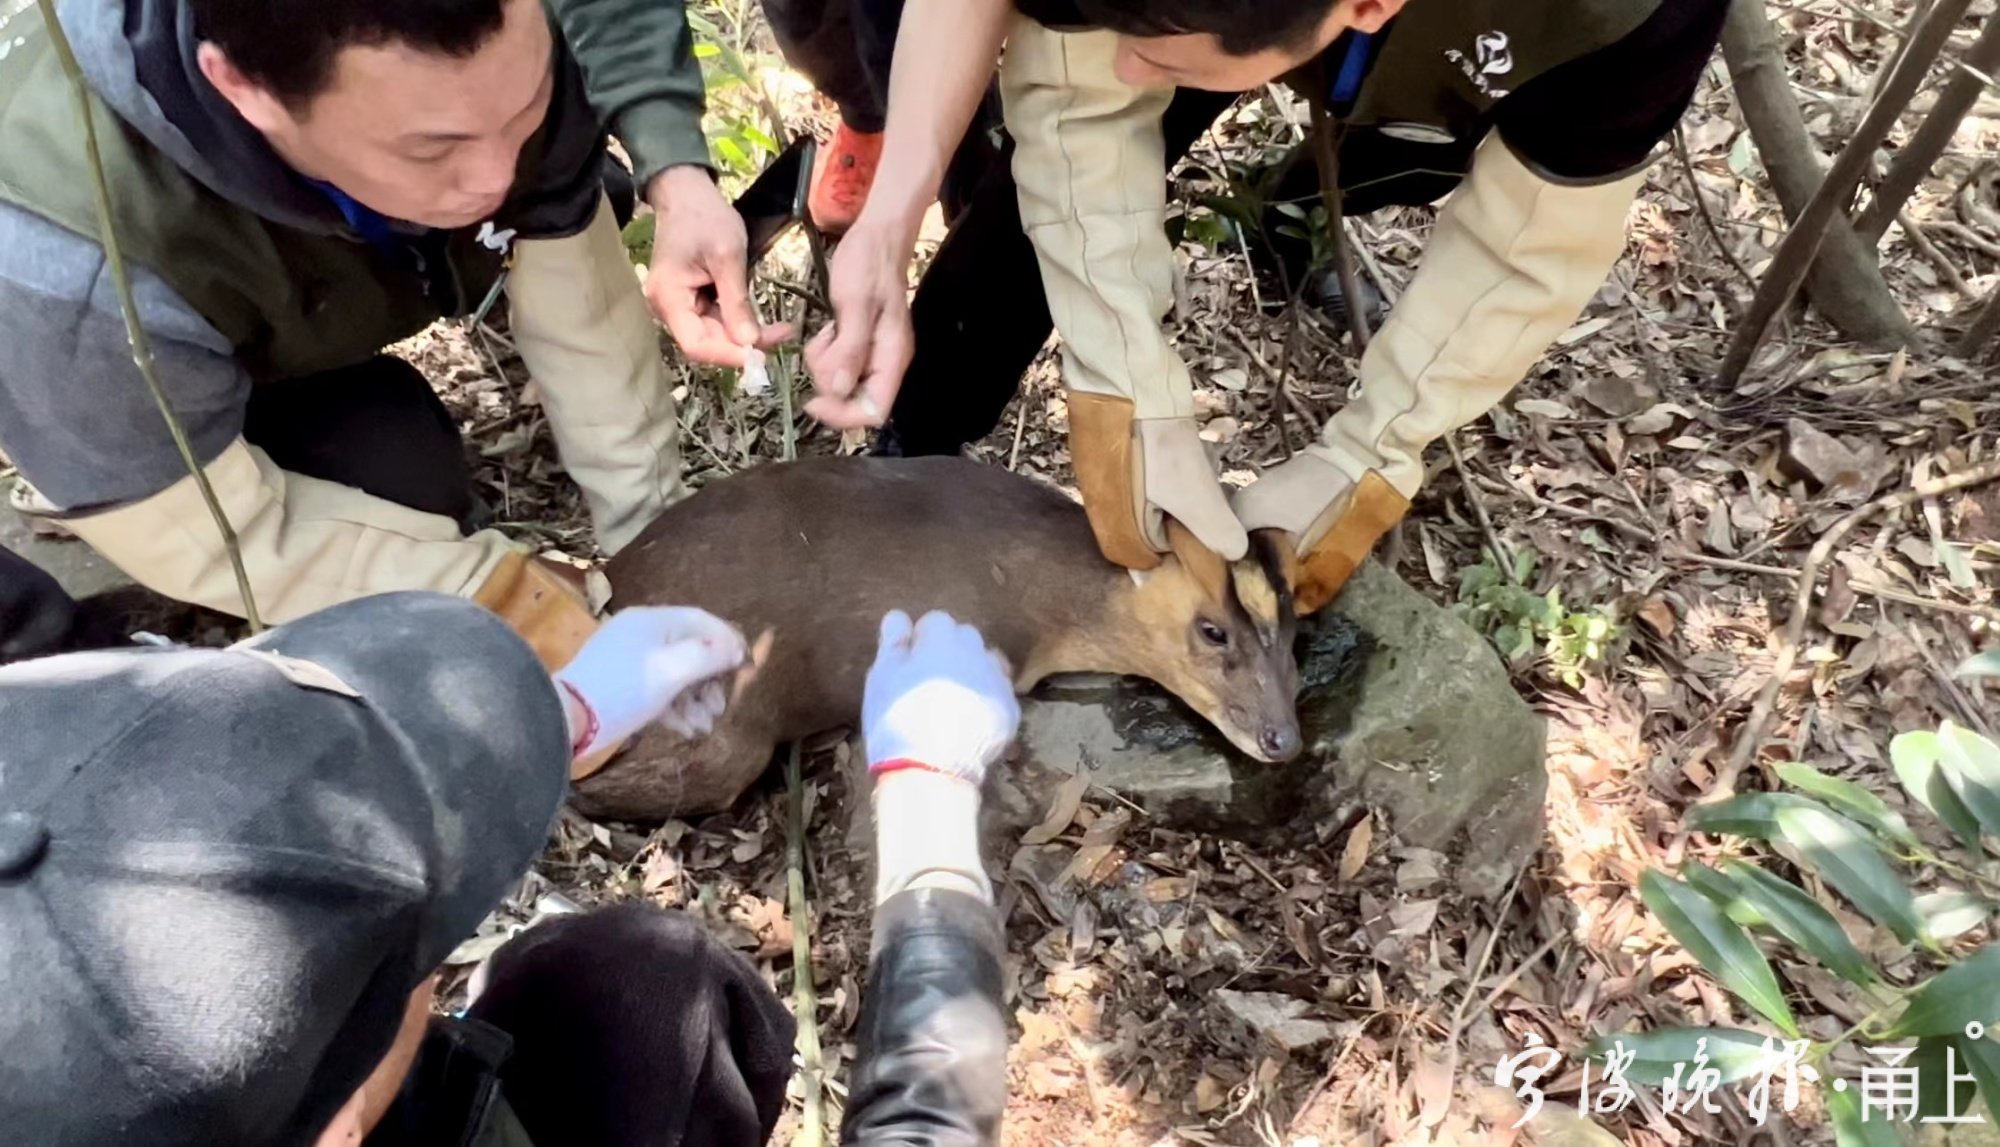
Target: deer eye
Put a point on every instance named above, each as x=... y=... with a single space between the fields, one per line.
x=1212 y=633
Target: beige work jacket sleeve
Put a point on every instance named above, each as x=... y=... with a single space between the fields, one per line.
x=1091 y=169
x=306 y=543
x=1511 y=263
x=583 y=328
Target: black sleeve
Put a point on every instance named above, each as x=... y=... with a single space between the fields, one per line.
x=932 y=1068
x=1598 y=117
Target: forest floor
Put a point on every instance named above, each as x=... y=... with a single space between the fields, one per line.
x=1625 y=480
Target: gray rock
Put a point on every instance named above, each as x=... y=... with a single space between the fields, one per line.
x=74 y=565
x=1403 y=708
x=1276 y=1019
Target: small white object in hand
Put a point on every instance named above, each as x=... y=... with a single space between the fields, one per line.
x=756 y=378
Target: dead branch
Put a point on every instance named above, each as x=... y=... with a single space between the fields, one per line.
x=1326 y=151
x=805 y=998
x=1917 y=157
x=1843 y=279
x=1752 y=734
x=1914 y=232
x=1701 y=205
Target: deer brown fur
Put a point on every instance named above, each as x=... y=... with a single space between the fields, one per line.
x=815 y=552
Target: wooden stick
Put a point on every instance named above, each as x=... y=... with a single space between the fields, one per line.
x=1701 y=205
x=1752 y=735
x=1501 y=556
x=135 y=331
x=1326 y=153
x=805 y=998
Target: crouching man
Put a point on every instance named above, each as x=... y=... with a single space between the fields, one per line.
x=230 y=876
x=298 y=184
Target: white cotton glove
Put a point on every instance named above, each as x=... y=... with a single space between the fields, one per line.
x=937 y=699
x=648 y=664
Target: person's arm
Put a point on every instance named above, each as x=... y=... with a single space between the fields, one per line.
x=938 y=709
x=642 y=78
x=1091 y=167
x=640 y=75
x=1516 y=254
x=77 y=419
x=944 y=58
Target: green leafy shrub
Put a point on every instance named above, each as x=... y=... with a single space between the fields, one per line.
x=1527 y=626
x=1867 y=853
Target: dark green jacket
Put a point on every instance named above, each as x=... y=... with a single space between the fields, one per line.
x=245 y=271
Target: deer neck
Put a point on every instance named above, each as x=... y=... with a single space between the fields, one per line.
x=1095 y=631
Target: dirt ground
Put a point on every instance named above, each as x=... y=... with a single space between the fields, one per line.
x=1640 y=489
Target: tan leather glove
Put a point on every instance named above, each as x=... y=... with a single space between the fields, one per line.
x=1510 y=265
x=1091 y=169
x=583 y=329
x=308 y=544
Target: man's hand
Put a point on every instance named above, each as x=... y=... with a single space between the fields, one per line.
x=857 y=362
x=1180 y=481
x=648 y=664
x=937 y=699
x=699 y=284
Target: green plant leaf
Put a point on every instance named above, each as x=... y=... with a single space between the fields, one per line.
x=1985 y=664
x=1792 y=913
x=1932 y=1071
x=1723 y=891
x=1851 y=799
x=1848 y=1128
x=1736 y=1053
x=1916 y=756
x=1980 y=1057
x=1749 y=814
x=1845 y=856
x=1725 y=950
x=1966 y=992
x=1971 y=764
x=1951 y=913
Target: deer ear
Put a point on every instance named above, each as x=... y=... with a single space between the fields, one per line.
x=1207 y=567
x=1277 y=555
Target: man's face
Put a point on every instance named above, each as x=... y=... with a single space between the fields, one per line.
x=1198 y=61
x=420 y=136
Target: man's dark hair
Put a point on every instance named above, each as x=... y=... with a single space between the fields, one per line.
x=1241 y=27
x=289 y=46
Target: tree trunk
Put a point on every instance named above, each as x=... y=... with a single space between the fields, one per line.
x=1915 y=160
x=1795 y=255
x=1846 y=283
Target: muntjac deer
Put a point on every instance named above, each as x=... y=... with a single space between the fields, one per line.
x=815 y=552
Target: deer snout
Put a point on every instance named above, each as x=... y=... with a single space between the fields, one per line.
x=1280 y=743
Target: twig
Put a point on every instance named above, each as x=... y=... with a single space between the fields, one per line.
x=1507 y=981
x=1020 y=425
x=1501 y=556
x=805 y=998
x=1306 y=414
x=1942 y=676
x=1680 y=555
x=1326 y=151
x=135 y=331
x=1629 y=529
x=1752 y=735
x=1888 y=594
x=1914 y=232
x=1701 y=205
x=1375 y=272
x=1485 y=957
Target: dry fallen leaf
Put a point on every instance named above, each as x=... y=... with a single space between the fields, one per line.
x=1355 y=855
x=1658 y=616
x=1062 y=810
